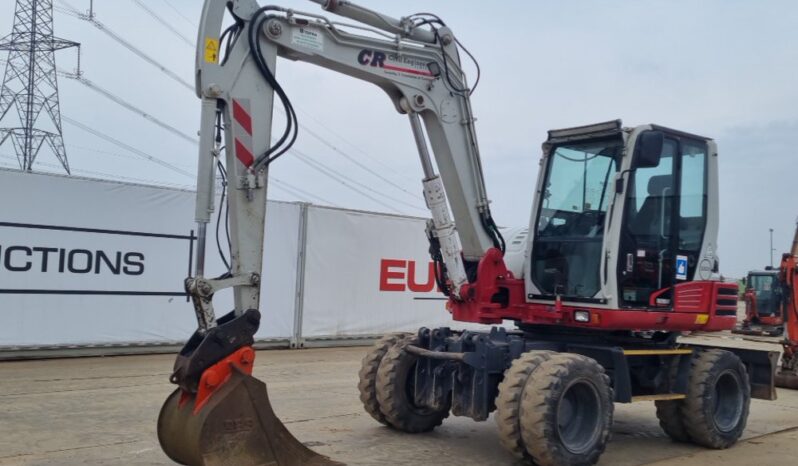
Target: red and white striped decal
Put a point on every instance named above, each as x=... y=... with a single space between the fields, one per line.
x=242 y=131
x=408 y=70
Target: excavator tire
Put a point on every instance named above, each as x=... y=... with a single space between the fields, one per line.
x=508 y=402
x=566 y=411
x=787 y=378
x=718 y=399
x=669 y=412
x=368 y=374
x=394 y=392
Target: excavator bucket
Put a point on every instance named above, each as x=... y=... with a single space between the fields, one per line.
x=236 y=426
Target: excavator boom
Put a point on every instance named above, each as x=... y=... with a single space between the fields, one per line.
x=787 y=376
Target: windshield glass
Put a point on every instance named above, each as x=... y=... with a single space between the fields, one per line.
x=761 y=283
x=767 y=291
x=577 y=189
x=576 y=193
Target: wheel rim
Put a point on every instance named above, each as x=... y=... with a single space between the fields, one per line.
x=728 y=408
x=579 y=416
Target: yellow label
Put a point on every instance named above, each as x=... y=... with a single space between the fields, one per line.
x=211 y=50
x=702 y=319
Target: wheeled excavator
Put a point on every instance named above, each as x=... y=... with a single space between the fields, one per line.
x=620 y=257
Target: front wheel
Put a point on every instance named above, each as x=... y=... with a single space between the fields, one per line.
x=395 y=387
x=566 y=411
x=367 y=384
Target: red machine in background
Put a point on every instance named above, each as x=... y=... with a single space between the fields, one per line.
x=764 y=303
x=787 y=377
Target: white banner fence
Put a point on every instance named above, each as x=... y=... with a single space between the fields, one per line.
x=89 y=263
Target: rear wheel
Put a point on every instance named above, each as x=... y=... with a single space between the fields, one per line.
x=368 y=374
x=566 y=411
x=669 y=412
x=508 y=402
x=715 y=411
x=395 y=386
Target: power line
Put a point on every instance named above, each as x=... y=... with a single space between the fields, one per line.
x=346 y=181
x=164 y=23
x=286 y=186
x=337 y=135
x=299 y=192
x=175 y=131
x=120 y=101
x=132 y=48
x=335 y=174
x=118 y=155
x=319 y=166
x=109 y=175
x=279 y=184
x=324 y=141
x=73 y=13
x=127 y=147
x=359 y=164
x=100 y=151
x=179 y=13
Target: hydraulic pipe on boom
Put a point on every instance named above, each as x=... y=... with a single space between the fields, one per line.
x=401 y=27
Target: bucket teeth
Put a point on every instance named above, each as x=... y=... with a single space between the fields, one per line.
x=236 y=427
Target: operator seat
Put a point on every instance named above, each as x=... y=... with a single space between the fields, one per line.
x=648 y=223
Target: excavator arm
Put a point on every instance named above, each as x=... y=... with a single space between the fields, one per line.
x=417 y=67
x=787 y=376
x=415 y=60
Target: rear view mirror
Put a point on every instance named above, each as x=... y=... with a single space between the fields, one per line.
x=649 y=149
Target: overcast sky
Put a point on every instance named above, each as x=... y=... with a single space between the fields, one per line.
x=724 y=68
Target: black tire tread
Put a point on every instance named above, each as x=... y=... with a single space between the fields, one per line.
x=695 y=409
x=538 y=411
x=367 y=385
x=669 y=412
x=508 y=402
x=398 y=411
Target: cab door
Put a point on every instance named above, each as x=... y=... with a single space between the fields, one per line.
x=664 y=223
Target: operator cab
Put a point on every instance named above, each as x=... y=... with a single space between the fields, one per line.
x=621 y=216
x=766 y=287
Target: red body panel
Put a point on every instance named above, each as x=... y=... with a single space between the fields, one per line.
x=497 y=295
x=788 y=277
x=752 y=313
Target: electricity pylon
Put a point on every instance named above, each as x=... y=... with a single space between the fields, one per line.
x=30 y=84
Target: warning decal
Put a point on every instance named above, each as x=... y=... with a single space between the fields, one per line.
x=211 y=50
